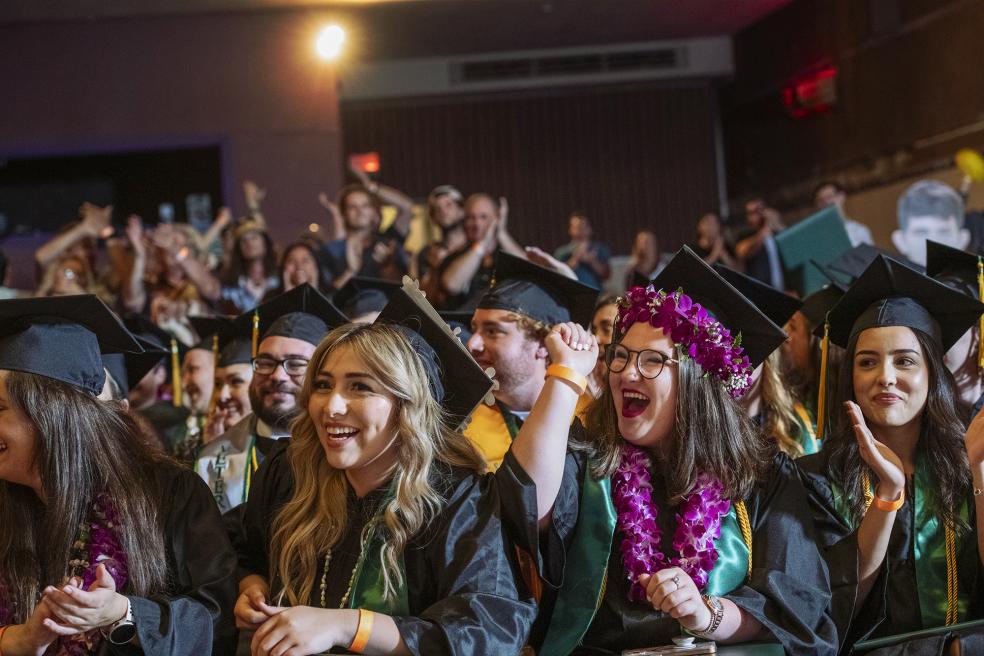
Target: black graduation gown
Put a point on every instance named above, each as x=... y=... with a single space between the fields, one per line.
x=892 y=606
x=192 y=617
x=788 y=591
x=461 y=573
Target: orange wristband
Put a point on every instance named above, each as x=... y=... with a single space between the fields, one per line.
x=362 y=634
x=889 y=506
x=568 y=374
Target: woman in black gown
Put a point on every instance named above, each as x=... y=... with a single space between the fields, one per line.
x=376 y=513
x=105 y=547
x=896 y=490
x=669 y=512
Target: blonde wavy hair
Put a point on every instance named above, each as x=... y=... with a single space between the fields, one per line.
x=315 y=518
x=780 y=423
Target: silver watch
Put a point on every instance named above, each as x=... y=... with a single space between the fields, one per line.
x=717 y=614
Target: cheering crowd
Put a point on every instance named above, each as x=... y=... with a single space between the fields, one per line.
x=213 y=443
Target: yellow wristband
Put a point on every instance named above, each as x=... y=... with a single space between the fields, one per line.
x=568 y=374
x=364 y=632
x=889 y=506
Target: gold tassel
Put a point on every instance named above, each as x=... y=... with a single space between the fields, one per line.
x=175 y=373
x=741 y=512
x=980 y=295
x=822 y=392
x=256 y=332
x=952 y=599
x=214 y=400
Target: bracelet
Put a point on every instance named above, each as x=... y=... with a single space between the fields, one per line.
x=978 y=491
x=889 y=506
x=3 y=629
x=362 y=634
x=568 y=374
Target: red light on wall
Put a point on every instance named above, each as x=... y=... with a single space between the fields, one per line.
x=365 y=162
x=815 y=93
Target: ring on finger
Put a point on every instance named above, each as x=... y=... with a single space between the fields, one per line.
x=676 y=581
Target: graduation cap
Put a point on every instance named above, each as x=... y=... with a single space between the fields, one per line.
x=960 y=270
x=760 y=336
x=227 y=339
x=460 y=322
x=456 y=380
x=820 y=237
x=128 y=369
x=638 y=280
x=849 y=265
x=146 y=329
x=543 y=295
x=361 y=296
x=62 y=338
x=302 y=313
x=776 y=305
x=889 y=293
x=818 y=304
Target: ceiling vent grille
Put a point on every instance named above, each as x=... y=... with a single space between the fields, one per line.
x=562 y=66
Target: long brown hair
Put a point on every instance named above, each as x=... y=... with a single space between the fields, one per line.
x=712 y=434
x=83 y=448
x=314 y=519
x=941 y=439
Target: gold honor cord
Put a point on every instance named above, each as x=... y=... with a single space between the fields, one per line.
x=256 y=332
x=950 y=537
x=746 y=530
x=980 y=327
x=214 y=400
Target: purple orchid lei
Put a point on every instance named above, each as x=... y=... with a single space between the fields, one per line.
x=697 y=334
x=97 y=544
x=698 y=523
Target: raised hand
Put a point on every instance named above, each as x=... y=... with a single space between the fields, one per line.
x=503 y=214
x=546 y=260
x=354 y=248
x=254 y=195
x=882 y=460
x=569 y=344
x=135 y=233
x=672 y=591
x=96 y=220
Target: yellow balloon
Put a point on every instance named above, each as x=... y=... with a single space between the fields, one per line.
x=969 y=161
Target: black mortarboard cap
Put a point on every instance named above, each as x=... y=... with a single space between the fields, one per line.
x=360 y=296
x=128 y=369
x=760 y=336
x=456 y=380
x=62 y=338
x=302 y=313
x=776 y=305
x=849 y=265
x=209 y=327
x=233 y=340
x=818 y=304
x=539 y=293
x=638 y=279
x=890 y=293
x=953 y=267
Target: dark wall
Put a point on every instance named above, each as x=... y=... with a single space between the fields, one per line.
x=247 y=82
x=631 y=157
x=908 y=70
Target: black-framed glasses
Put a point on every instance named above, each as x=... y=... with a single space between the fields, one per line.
x=650 y=363
x=293 y=367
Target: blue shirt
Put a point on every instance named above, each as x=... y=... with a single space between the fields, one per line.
x=585 y=273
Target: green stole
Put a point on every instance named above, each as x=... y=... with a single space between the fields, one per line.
x=807 y=429
x=580 y=596
x=929 y=550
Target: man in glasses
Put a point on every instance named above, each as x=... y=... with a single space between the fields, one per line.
x=288 y=329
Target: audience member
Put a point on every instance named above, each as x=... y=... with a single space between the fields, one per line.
x=756 y=245
x=588 y=258
x=644 y=261
x=711 y=244
x=829 y=194
x=929 y=210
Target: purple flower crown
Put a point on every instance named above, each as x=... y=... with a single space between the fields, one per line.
x=697 y=334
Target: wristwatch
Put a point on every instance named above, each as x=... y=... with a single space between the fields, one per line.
x=717 y=614
x=123 y=630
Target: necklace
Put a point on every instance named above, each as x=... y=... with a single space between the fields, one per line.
x=348 y=590
x=698 y=523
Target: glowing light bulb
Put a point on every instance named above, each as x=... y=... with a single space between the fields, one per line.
x=330 y=41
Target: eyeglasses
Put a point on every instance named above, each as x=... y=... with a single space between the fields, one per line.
x=293 y=367
x=649 y=363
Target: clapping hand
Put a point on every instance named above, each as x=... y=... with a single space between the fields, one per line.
x=882 y=460
x=76 y=610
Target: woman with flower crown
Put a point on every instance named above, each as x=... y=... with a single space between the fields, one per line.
x=105 y=547
x=669 y=513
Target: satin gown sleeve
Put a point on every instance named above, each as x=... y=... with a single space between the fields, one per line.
x=192 y=618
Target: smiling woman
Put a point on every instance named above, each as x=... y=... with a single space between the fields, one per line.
x=892 y=488
x=375 y=529
x=113 y=543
